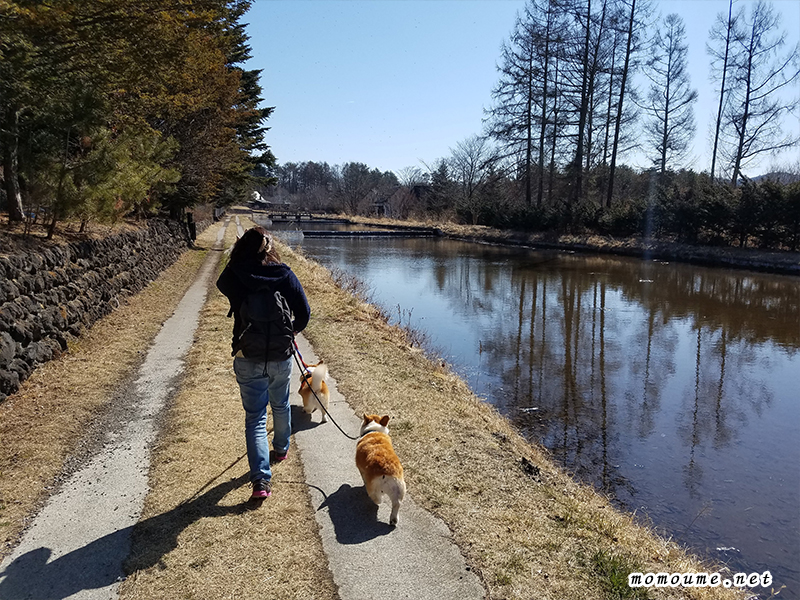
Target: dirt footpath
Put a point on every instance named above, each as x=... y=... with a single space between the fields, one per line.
x=77 y=544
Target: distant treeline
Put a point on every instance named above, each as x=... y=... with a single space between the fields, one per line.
x=685 y=205
x=567 y=109
x=111 y=107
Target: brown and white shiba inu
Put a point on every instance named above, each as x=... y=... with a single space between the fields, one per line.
x=319 y=375
x=378 y=464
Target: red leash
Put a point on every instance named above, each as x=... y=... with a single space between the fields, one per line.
x=297 y=349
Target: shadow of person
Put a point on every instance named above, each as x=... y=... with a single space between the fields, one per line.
x=155 y=537
x=100 y=563
x=354 y=515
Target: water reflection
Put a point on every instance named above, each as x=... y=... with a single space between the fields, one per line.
x=672 y=387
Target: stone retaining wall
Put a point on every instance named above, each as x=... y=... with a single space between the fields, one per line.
x=49 y=295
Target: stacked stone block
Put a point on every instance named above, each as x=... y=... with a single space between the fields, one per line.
x=48 y=296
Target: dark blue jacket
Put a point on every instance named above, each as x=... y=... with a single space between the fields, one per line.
x=239 y=280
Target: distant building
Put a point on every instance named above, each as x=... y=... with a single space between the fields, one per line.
x=258 y=201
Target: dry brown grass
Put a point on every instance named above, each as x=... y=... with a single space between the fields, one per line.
x=533 y=533
x=197 y=538
x=45 y=421
x=520 y=529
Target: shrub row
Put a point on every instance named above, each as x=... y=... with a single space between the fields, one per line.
x=685 y=206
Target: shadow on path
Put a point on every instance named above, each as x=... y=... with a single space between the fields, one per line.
x=92 y=567
x=354 y=515
x=302 y=421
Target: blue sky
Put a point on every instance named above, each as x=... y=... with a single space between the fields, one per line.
x=394 y=83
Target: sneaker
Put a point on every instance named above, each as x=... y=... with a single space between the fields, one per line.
x=275 y=456
x=261 y=489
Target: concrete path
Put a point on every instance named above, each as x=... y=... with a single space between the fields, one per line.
x=368 y=558
x=77 y=544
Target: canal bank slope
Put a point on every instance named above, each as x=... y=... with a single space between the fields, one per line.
x=526 y=527
x=786 y=263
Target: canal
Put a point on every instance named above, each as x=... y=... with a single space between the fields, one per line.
x=673 y=388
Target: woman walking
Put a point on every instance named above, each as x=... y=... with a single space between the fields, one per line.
x=268 y=306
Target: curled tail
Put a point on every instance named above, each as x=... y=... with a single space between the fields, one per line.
x=318 y=377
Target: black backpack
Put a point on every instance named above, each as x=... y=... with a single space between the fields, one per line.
x=266 y=321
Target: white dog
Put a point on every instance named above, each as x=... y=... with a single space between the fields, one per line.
x=317 y=390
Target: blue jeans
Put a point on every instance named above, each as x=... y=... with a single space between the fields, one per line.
x=261 y=383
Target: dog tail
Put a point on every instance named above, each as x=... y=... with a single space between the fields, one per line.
x=398 y=488
x=319 y=375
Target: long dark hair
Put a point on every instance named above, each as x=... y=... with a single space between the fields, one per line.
x=255 y=244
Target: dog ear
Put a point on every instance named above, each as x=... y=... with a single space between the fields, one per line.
x=366 y=419
x=384 y=420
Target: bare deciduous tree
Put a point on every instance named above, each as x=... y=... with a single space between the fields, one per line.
x=472 y=164
x=512 y=118
x=629 y=33
x=721 y=37
x=670 y=127
x=760 y=93
x=410 y=176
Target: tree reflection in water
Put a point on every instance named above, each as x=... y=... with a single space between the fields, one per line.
x=671 y=387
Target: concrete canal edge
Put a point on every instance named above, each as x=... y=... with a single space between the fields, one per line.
x=754 y=259
x=311 y=233
x=766 y=261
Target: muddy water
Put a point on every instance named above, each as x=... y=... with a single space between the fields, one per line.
x=674 y=388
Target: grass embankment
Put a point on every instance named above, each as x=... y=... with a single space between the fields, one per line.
x=50 y=418
x=523 y=524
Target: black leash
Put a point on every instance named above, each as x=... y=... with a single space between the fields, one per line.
x=304 y=374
